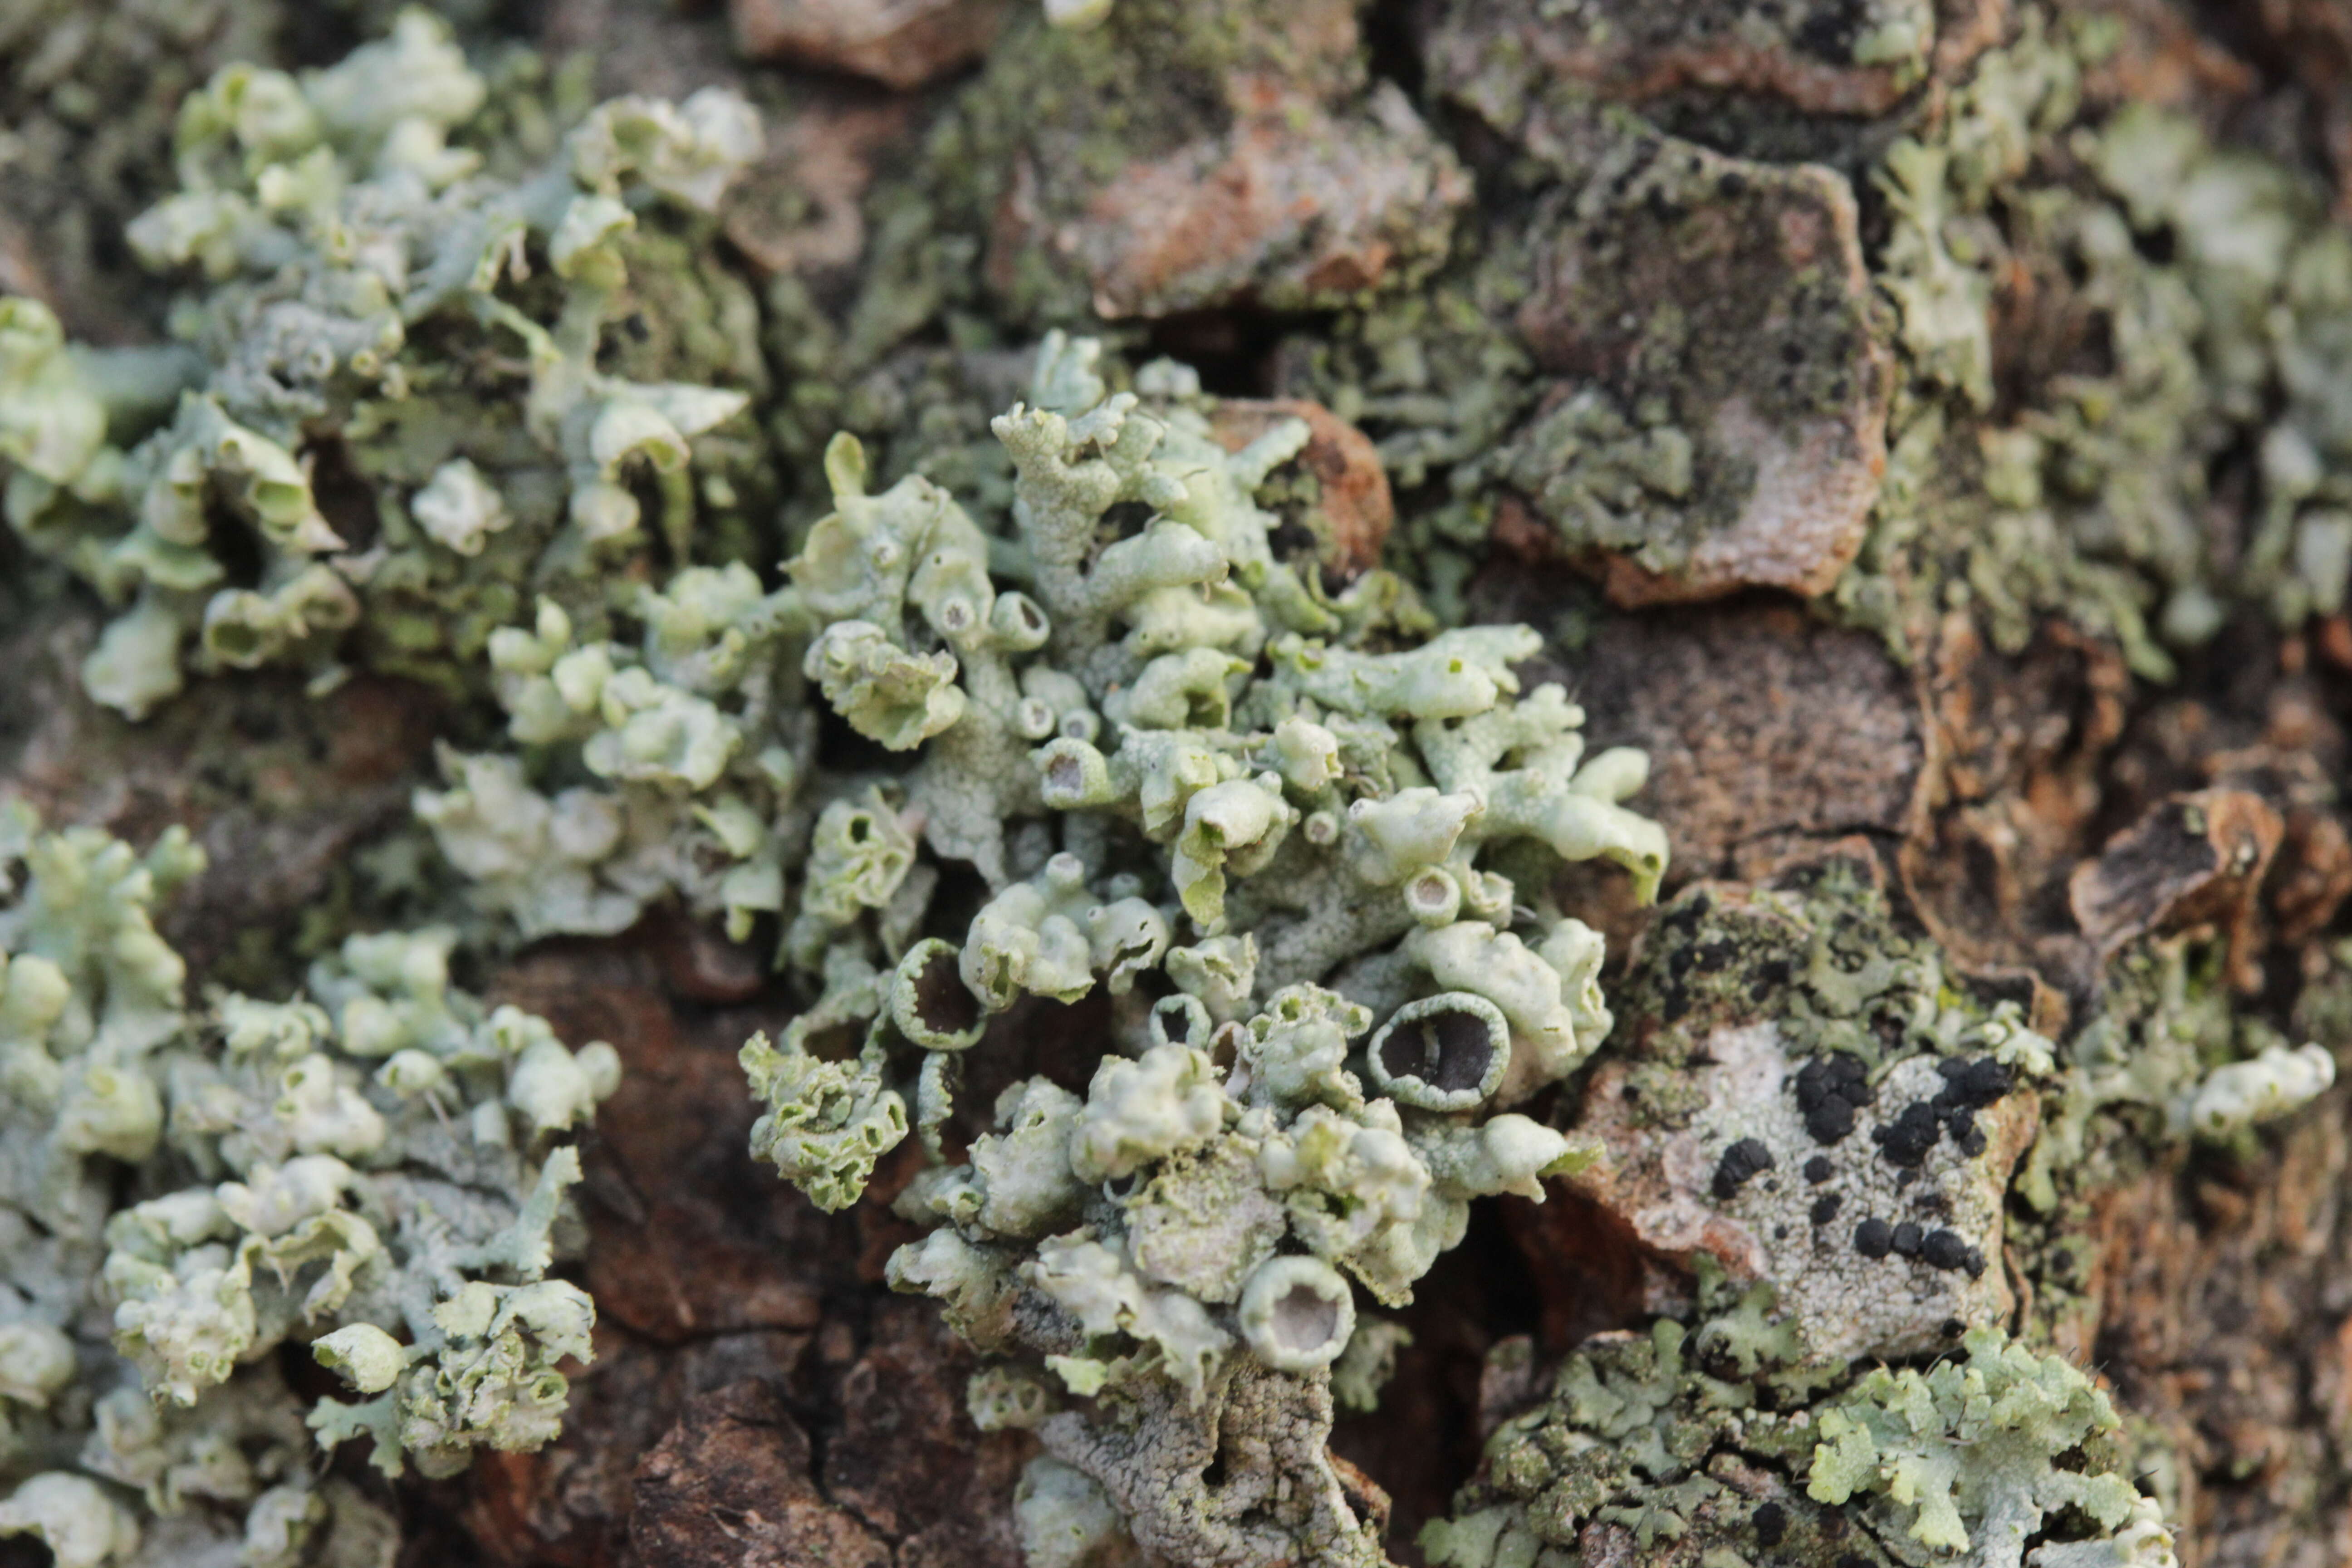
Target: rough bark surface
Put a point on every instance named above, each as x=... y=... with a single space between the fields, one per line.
x=760 y=1398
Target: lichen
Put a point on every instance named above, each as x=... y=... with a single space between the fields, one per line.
x=1216 y=749
x=2167 y=1054
x=1168 y=733
x=342 y=260
x=1111 y=125
x=1677 y=1444
x=376 y=1168
x=1077 y=751
x=1809 y=1096
x=2197 y=295
x=1971 y=1456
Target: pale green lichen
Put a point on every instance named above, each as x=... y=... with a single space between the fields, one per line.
x=1625 y=1449
x=1679 y=1444
x=1041 y=717
x=1065 y=1520
x=1672 y=1447
x=1971 y=1456
x=1077 y=13
x=2168 y=1053
x=376 y=1168
x=1164 y=736
x=2210 y=296
x=342 y=253
x=74 y=1517
x=827 y=1122
x=2270 y=1084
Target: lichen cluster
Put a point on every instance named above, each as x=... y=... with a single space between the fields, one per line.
x=1193 y=777
x=2159 y=439
x=1169 y=895
x=1810 y=1099
x=2168 y=1055
x=1696 y=1444
x=375 y=1169
x=420 y=319
x=1183 y=770
x=2193 y=300
x=1297 y=836
x=1840 y=1134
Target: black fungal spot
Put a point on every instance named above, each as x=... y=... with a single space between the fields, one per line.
x=1905 y=1239
x=1769 y=977
x=1742 y=1162
x=1771 y=1522
x=1906 y=1140
x=1819 y=1170
x=1830 y=1090
x=1975 y=1084
x=1946 y=1249
x=1873 y=1237
x=1825 y=1207
x=1954 y=1328
x=1686 y=919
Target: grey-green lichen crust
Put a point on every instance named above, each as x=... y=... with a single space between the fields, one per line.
x=1686 y=369
x=1187 y=154
x=2168 y=1053
x=1808 y=1098
x=376 y=1168
x=1690 y=1447
x=1040 y=731
x=1192 y=775
x=2200 y=302
x=1857 y=1153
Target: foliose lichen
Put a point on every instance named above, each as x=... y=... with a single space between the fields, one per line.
x=376 y=1168
x=1264 y=823
x=1973 y=1456
x=1696 y=1446
x=1048 y=719
x=387 y=322
x=2173 y=444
